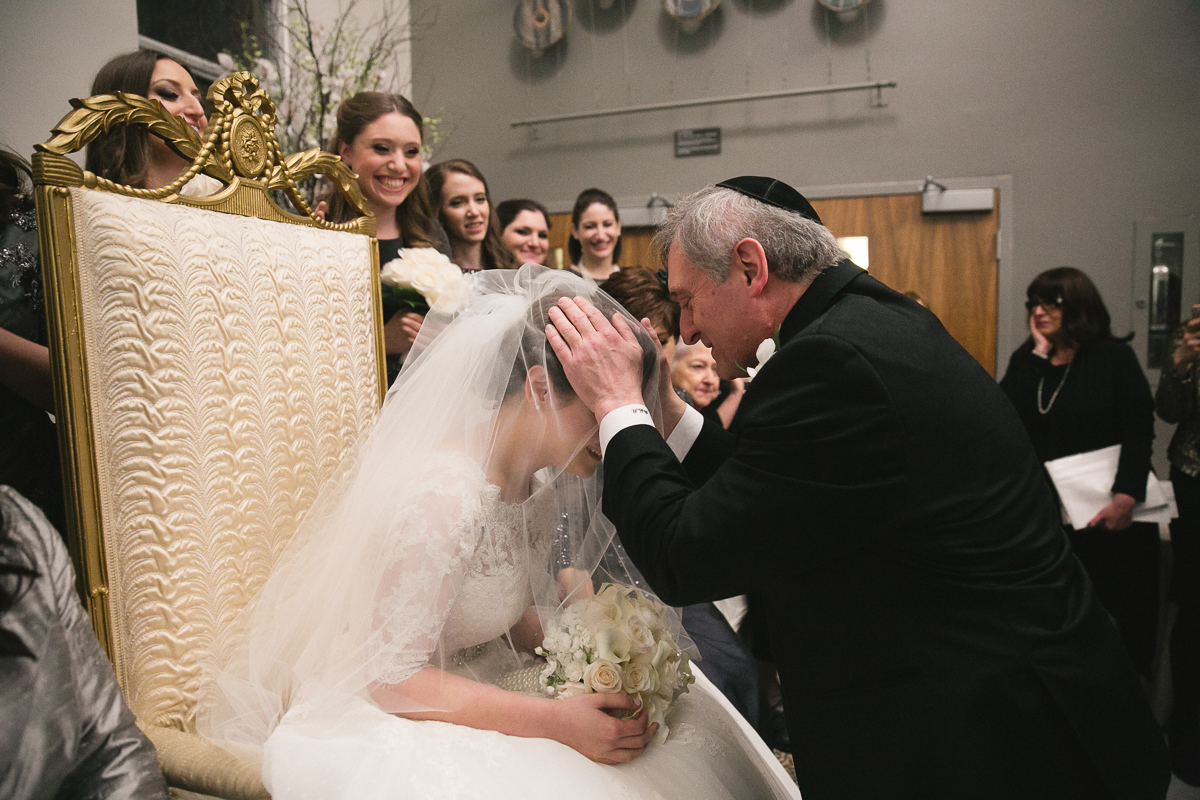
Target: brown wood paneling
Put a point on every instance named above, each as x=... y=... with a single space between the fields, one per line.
x=635 y=243
x=949 y=258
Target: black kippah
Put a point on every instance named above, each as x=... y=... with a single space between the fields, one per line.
x=773 y=193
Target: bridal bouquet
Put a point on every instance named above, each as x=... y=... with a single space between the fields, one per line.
x=423 y=278
x=616 y=641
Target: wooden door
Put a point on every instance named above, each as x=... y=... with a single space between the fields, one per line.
x=635 y=244
x=950 y=259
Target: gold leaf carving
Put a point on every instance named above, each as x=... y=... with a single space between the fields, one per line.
x=239 y=144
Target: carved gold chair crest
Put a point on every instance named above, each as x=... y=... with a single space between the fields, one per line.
x=215 y=357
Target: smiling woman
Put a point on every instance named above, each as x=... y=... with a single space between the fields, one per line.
x=465 y=210
x=595 y=243
x=127 y=154
x=379 y=136
x=524 y=230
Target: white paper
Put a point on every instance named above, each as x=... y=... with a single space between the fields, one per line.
x=1084 y=483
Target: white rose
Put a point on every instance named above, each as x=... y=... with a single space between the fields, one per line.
x=640 y=676
x=639 y=632
x=429 y=281
x=455 y=295
x=396 y=272
x=424 y=258
x=602 y=676
x=599 y=611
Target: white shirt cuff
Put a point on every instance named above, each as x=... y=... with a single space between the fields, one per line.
x=684 y=436
x=621 y=418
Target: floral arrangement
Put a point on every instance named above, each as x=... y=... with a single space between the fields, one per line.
x=616 y=641
x=423 y=278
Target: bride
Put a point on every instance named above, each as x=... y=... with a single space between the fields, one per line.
x=370 y=665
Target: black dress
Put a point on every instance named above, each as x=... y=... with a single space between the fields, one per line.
x=28 y=445
x=1101 y=400
x=389 y=249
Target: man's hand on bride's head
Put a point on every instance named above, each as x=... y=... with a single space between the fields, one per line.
x=602 y=358
x=584 y=725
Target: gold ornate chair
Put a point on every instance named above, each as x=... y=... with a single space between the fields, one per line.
x=214 y=358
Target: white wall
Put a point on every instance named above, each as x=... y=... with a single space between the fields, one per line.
x=1092 y=108
x=49 y=52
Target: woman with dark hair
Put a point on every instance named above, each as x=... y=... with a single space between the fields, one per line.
x=65 y=731
x=29 y=447
x=595 y=243
x=1078 y=388
x=130 y=155
x=464 y=205
x=524 y=230
x=379 y=137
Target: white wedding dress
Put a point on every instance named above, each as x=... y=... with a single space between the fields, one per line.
x=367 y=754
x=410 y=559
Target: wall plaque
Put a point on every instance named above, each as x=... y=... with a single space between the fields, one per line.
x=698 y=142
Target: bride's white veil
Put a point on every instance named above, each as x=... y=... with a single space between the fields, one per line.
x=361 y=595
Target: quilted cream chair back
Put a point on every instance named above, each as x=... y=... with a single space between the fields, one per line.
x=215 y=357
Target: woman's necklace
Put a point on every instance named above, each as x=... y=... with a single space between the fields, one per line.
x=1054 y=396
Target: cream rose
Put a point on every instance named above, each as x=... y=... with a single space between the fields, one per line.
x=599 y=610
x=396 y=272
x=639 y=632
x=602 y=676
x=640 y=676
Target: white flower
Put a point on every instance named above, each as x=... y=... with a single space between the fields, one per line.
x=571 y=690
x=640 y=676
x=763 y=354
x=656 y=711
x=428 y=271
x=602 y=676
x=662 y=650
x=613 y=645
x=639 y=631
x=573 y=671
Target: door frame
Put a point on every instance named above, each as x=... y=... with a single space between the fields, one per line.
x=1006 y=299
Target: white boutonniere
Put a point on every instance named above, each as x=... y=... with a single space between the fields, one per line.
x=764 y=353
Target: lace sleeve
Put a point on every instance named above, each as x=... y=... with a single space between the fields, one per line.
x=430 y=547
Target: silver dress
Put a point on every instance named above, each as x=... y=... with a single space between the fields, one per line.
x=65 y=731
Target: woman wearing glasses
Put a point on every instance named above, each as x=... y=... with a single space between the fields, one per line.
x=1078 y=388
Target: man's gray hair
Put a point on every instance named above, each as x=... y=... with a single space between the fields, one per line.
x=706 y=225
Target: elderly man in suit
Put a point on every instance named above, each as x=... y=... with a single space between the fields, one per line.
x=935 y=635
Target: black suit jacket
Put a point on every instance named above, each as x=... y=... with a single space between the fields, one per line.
x=934 y=634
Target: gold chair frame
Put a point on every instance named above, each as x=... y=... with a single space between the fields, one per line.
x=240 y=150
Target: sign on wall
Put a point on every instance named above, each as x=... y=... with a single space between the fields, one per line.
x=698 y=142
